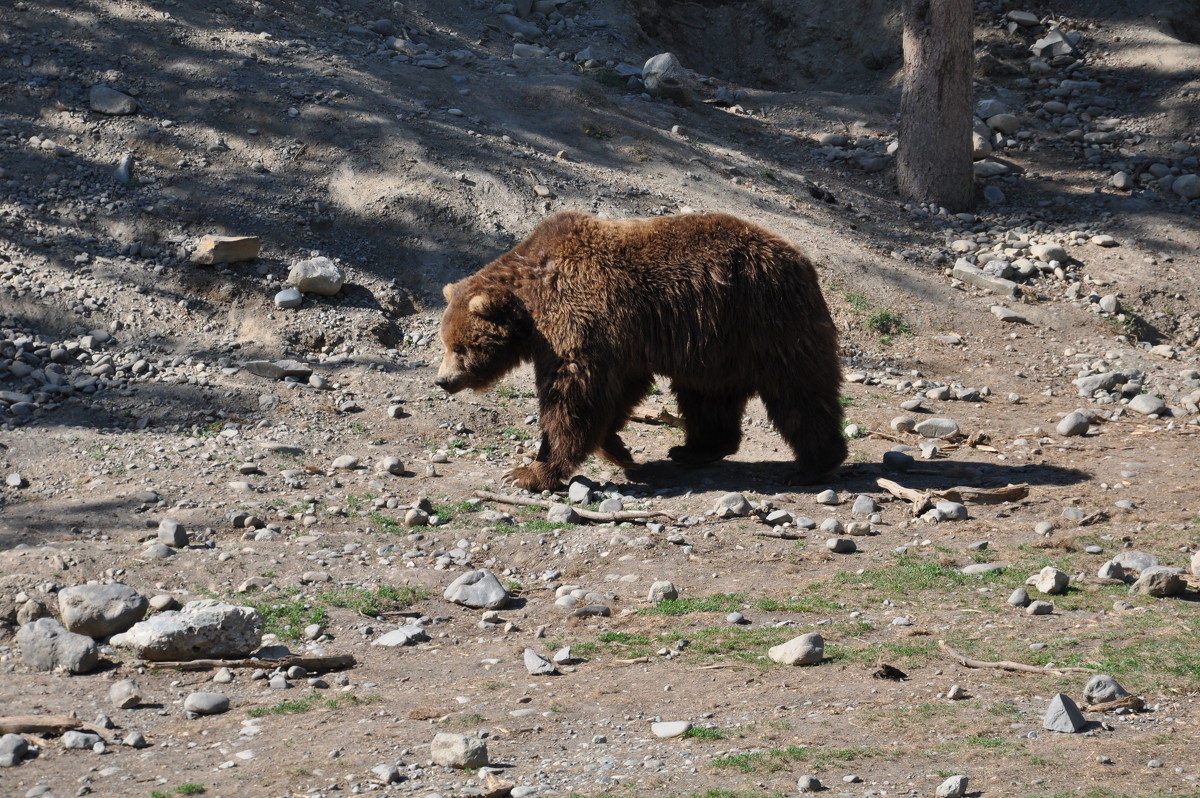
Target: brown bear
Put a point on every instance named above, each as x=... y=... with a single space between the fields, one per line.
x=721 y=307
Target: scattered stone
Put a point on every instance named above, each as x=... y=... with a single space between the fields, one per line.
x=46 y=644
x=1048 y=252
x=1039 y=608
x=13 y=748
x=937 y=428
x=345 y=462
x=841 y=545
x=828 y=497
x=1187 y=186
x=663 y=76
x=172 y=533
x=125 y=694
x=732 y=504
x=279 y=369
x=289 y=298
x=661 y=591
x=1136 y=561
x=1073 y=424
x=806 y=649
x=387 y=774
x=952 y=511
x=1063 y=715
x=100 y=610
x=458 y=751
x=1052 y=581
x=206 y=703
x=1008 y=315
x=1019 y=598
x=316 y=276
x=479 y=589
x=953 y=787
x=864 y=505
x=537 y=665
x=202 y=629
x=665 y=730
x=809 y=783
x=226 y=249
x=1102 y=688
x=80 y=741
x=559 y=513
x=1147 y=404
x=390 y=465
x=1159 y=582
x=107 y=100
x=1111 y=570
x=971 y=274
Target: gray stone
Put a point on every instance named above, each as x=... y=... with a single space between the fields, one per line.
x=663 y=76
x=158 y=551
x=345 y=462
x=100 y=610
x=994 y=195
x=278 y=369
x=1052 y=581
x=1107 y=381
x=1004 y=123
x=206 y=703
x=1134 y=560
x=1109 y=303
x=1023 y=18
x=559 y=513
x=1122 y=181
x=172 y=533
x=537 y=665
x=864 y=505
x=46 y=644
x=1039 y=608
x=458 y=751
x=670 y=728
x=841 y=545
x=1159 y=582
x=13 y=748
x=828 y=497
x=953 y=787
x=897 y=462
x=971 y=274
x=732 y=504
x=1063 y=715
x=806 y=649
x=1111 y=570
x=1147 y=404
x=977 y=568
x=387 y=774
x=952 y=511
x=937 y=428
x=135 y=740
x=661 y=591
x=1048 y=252
x=1103 y=688
x=563 y=656
x=580 y=490
x=391 y=465
x=809 y=783
x=404 y=636
x=1007 y=315
x=80 y=741
x=479 y=589
x=779 y=517
x=1019 y=597
x=611 y=505
x=107 y=100
x=289 y=298
x=1073 y=424
x=125 y=694
x=316 y=276
x=1187 y=186
x=201 y=630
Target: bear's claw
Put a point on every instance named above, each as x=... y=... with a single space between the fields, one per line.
x=528 y=478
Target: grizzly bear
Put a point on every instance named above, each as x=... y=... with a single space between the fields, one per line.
x=722 y=308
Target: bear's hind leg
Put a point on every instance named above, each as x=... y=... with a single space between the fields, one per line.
x=712 y=422
x=612 y=448
x=811 y=423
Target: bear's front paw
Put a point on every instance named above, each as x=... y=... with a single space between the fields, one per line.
x=531 y=478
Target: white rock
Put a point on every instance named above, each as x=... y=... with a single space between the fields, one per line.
x=806 y=649
x=670 y=728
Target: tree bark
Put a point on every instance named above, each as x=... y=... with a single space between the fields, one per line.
x=934 y=161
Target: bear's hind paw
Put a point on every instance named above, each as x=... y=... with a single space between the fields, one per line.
x=528 y=478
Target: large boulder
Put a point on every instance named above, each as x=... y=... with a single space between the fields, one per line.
x=201 y=630
x=46 y=644
x=100 y=610
x=480 y=589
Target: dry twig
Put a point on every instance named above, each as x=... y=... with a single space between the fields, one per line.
x=1005 y=665
x=590 y=515
x=314 y=664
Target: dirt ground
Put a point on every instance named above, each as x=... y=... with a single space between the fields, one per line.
x=411 y=157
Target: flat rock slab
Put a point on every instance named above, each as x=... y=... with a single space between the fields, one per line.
x=226 y=249
x=201 y=630
x=670 y=728
x=973 y=275
x=278 y=369
x=107 y=100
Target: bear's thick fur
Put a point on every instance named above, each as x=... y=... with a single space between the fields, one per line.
x=721 y=307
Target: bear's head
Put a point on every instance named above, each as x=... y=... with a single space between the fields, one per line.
x=485 y=331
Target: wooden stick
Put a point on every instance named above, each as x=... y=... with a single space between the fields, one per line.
x=331 y=663
x=590 y=515
x=1128 y=702
x=1004 y=665
x=46 y=724
x=781 y=534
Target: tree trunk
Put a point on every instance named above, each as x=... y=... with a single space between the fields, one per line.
x=934 y=161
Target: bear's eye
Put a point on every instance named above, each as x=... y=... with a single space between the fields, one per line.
x=460 y=349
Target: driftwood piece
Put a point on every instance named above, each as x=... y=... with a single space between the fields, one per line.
x=46 y=724
x=1005 y=665
x=648 y=414
x=923 y=500
x=314 y=664
x=1128 y=702
x=590 y=515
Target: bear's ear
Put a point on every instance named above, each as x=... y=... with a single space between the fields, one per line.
x=480 y=304
x=448 y=291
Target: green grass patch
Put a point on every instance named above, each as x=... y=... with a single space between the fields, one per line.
x=310 y=702
x=815 y=604
x=777 y=759
x=704 y=733
x=385 y=524
x=287 y=618
x=719 y=602
x=385 y=598
x=885 y=322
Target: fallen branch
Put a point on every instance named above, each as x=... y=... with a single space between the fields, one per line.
x=46 y=724
x=781 y=534
x=314 y=664
x=1004 y=665
x=922 y=500
x=590 y=515
x=1128 y=702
